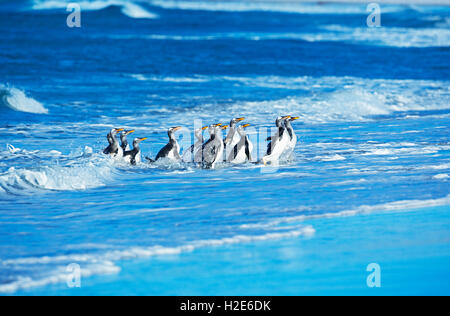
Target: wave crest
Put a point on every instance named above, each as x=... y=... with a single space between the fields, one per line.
x=128 y=8
x=95 y=264
x=17 y=100
x=80 y=174
x=271 y=6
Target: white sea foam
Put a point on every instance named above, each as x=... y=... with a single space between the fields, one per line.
x=199 y=79
x=348 y=104
x=12 y=149
x=335 y=157
x=408 y=150
x=81 y=175
x=435 y=167
x=60 y=275
x=384 y=36
x=93 y=264
x=129 y=8
x=323 y=99
x=270 y=6
x=441 y=176
x=348 y=182
x=135 y=11
x=404 y=205
x=13 y=153
x=383 y=151
x=18 y=101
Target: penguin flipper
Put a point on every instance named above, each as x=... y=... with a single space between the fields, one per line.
x=164 y=152
x=269 y=149
x=150 y=160
x=247 y=151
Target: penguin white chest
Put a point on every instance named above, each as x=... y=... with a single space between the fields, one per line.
x=293 y=141
x=138 y=158
x=119 y=154
x=219 y=155
x=173 y=153
x=240 y=157
x=280 y=146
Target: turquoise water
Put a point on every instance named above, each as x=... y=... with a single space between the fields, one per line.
x=368 y=183
x=417 y=265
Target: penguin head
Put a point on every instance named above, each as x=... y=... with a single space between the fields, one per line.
x=241 y=129
x=212 y=129
x=221 y=128
x=234 y=121
x=200 y=130
x=115 y=131
x=137 y=141
x=281 y=119
x=174 y=129
x=125 y=133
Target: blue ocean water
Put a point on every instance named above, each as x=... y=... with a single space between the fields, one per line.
x=369 y=182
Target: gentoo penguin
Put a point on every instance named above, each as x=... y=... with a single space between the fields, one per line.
x=110 y=140
x=213 y=148
x=114 y=150
x=134 y=156
x=242 y=151
x=232 y=137
x=172 y=149
x=198 y=157
x=123 y=138
x=278 y=142
x=190 y=153
x=292 y=137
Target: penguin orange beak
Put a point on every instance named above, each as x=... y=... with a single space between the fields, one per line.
x=142 y=139
x=176 y=128
x=204 y=128
x=120 y=129
x=245 y=125
x=240 y=119
x=295 y=118
x=224 y=127
x=286 y=117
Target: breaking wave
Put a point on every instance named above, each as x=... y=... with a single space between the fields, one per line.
x=397 y=206
x=384 y=36
x=130 y=9
x=322 y=99
x=271 y=6
x=17 y=100
x=105 y=263
x=94 y=264
x=77 y=174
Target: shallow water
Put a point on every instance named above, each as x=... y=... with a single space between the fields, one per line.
x=373 y=130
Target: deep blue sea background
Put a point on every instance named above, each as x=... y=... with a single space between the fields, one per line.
x=369 y=182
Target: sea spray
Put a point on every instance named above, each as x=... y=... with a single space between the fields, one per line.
x=17 y=100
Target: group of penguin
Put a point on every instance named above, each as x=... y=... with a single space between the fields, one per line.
x=235 y=148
